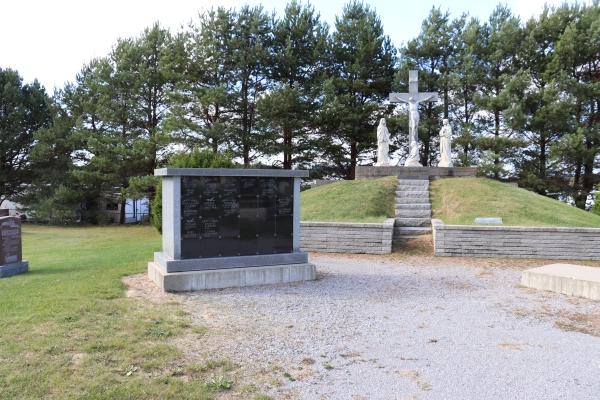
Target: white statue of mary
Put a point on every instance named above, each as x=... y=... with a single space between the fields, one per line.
x=383 y=144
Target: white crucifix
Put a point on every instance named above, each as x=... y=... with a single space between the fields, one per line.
x=413 y=98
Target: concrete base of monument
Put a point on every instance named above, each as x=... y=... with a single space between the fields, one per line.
x=234 y=277
x=13 y=269
x=569 y=279
x=431 y=173
x=199 y=264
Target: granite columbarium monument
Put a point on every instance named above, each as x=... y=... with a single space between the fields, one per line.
x=11 y=257
x=229 y=227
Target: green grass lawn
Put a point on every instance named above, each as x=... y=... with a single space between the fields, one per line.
x=68 y=331
x=350 y=201
x=461 y=200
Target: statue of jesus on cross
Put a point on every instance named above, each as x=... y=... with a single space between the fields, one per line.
x=413 y=98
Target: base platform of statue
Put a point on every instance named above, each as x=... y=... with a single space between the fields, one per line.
x=431 y=173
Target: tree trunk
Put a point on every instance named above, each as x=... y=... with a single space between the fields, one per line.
x=543 y=158
x=496 y=136
x=122 y=216
x=287 y=148
x=351 y=174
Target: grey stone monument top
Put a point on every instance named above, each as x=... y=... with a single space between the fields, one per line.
x=11 y=256
x=220 y=218
x=413 y=98
x=275 y=173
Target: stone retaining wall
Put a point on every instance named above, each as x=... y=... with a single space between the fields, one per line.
x=432 y=173
x=516 y=242
x=346 y=237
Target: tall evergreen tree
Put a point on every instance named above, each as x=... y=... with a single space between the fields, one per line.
x=202 y=104
x=577 y=63
x=466 y=75
x=250 y=46
x=58 y=190
x=501 y=37
x=296 y=68
x=537 y=109
x=111 y=118
x=360 y=74
x=23 y=110
x=129 y=91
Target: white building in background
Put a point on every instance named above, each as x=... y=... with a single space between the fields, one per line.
x=13 y=209
x=135 y=210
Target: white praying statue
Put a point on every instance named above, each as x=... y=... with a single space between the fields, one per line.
x=445 y=146
x=383 y=144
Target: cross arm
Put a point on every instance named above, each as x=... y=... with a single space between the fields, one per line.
x=403 y=97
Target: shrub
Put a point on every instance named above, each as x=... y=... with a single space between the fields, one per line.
x=195 y=159
x=596 y=206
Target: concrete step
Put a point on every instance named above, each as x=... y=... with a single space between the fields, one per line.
x=401 y=221
x=424 y=206
x=413 y=213
x=411 y=200
x=411 y=230
x=403 y=238
x=411 y=188
x=423 y=194
x=412 y=182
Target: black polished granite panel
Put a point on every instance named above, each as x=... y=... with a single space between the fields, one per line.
x=230 y=216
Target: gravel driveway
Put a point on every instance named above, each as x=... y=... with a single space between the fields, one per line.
x=397 y=327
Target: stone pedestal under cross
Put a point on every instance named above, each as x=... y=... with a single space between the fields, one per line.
x=413 y=98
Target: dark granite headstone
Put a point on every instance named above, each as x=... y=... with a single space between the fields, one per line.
x=4 y=212
x=11 y=258
x=236 y=216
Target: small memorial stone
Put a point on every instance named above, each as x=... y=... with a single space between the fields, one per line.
x=4 y=212
x=11 y=259
x=488 y=220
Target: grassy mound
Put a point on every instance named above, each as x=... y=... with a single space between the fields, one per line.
x=350 y=201
x=461 y=200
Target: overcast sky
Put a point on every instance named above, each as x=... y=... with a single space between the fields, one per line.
x=51 y=40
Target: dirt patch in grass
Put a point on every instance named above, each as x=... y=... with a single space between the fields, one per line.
x=139 y=285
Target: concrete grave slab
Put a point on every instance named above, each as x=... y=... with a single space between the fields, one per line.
x=569 y=279
x=488 y=220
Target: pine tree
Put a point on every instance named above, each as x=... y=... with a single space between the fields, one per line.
x=501 y=37
x=466 y=76
x=59 y=192
x=202 y=104
x=115 y=111
x=296 y=68
x=250 y=46
x=538 y=110
x=23 y=110
x=359 y=78
x=578 y=67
